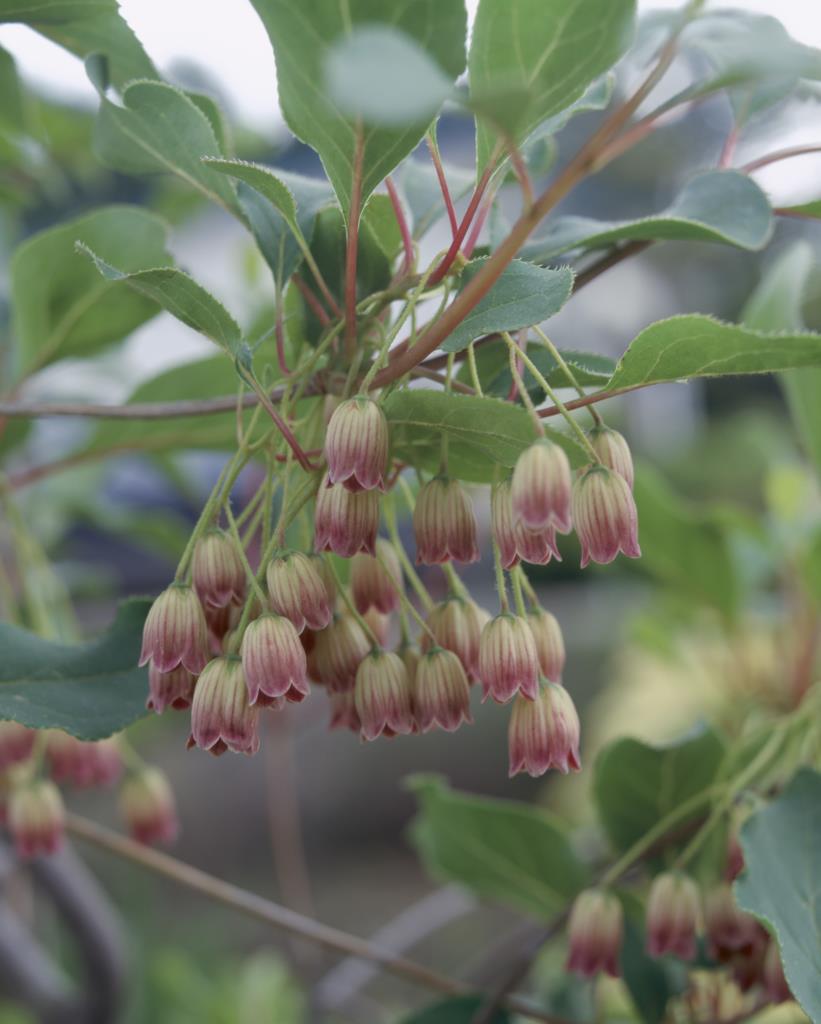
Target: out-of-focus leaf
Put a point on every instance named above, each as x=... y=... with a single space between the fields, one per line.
x=179 y=294
x=532 y=59
x=301 y=36
x=61 y=306
x=459 y=1010
x=90 y=691
x=719 y=206
x=385 y=77
x=635 y=784
x=12 y=104
x=500 y=849
x=650 y=982
x=523 y=295
x=781 y=883
x=685 y=547
x=85 y=27
x=159 y=128
x=699 y=346
x=811 y=209
x=482 y=432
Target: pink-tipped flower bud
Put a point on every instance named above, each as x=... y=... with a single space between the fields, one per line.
x=441 y=692
x=541 y=486
x=36 y=818
x=343 y=711
x=544 y=733
x=508 y=660
x=81 y=763
x=734 y=863
x=273 y=661
x=595 y=932
x=16 y=743
x=148 y=808
x=383 y=696
x=175 y=632
x=456 y=625
x=729 y=929
x=375 y=581
x=356 y=445
x=613 y=452
x=514 y=539
x=346 y=521
x=339 y=651
x=444 y=523
x=772 y=975
x=298 y=590
x=174 y=689
x=217 y=570
x=222 y=717
x=547 y=635
x=605 y=516
x=672 y=916
x=220 y=622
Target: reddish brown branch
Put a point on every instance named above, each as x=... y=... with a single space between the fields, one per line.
x=443 y=185
x=404 y=230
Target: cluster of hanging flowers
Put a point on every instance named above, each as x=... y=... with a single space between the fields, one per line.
x=36 y=765
x=685 y=922
x=227 y=641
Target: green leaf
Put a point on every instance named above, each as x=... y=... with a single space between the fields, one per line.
x=493 y=365
x=531 y=59
x=811 y=209
x=61 y=307
x=500 y=849
x=782 y=882
x=700 y=346
x=385 y=77
x=635 y=784
x=421 y=190
x=523 y=295
x=85 y=27
x=481 y=432
x=650 y=982
x=684 y=546
x=459 y=1010
x=596 y=96
x=776 y=305
x=12 y=102
x=179 y=294
x=159 y=128
x=301 y=35
x=90 y=691
x=719 y=206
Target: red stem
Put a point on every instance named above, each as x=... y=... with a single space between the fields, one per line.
x=455 y=245
x=728 y=149
x=780 y=154
x=404 y=230
x=443 y=185
x=353 y=243
x=306 y=293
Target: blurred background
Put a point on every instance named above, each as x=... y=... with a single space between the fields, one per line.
x=317 y=820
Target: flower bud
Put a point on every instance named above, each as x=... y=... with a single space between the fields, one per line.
x=174 y=689
x=383 y=696
x=540 y=490
x=148 y=808
x=672 y=916
x=217 y=570
x=16 y=743
x=772 y=975
x=379 y=625
x=544 y=733
x=729 y=929
x=356 y=445
x=595 y=932
x=338 y=653
x=81 y=763
x=514 y=539
x=343 y=711
x=547 y=635
x=220 y=622
x=346 y=522
x=222 y=717
x=298 y=591
x=175 y=631
x=410 y=659
x=375 y=581
x=456 y=625
x=613 y=452
x=508 y=661
x=734 y=863
x=444 y=523
x=36 y=818
x=273 y=661
x=605 y=516
x=441 y=692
